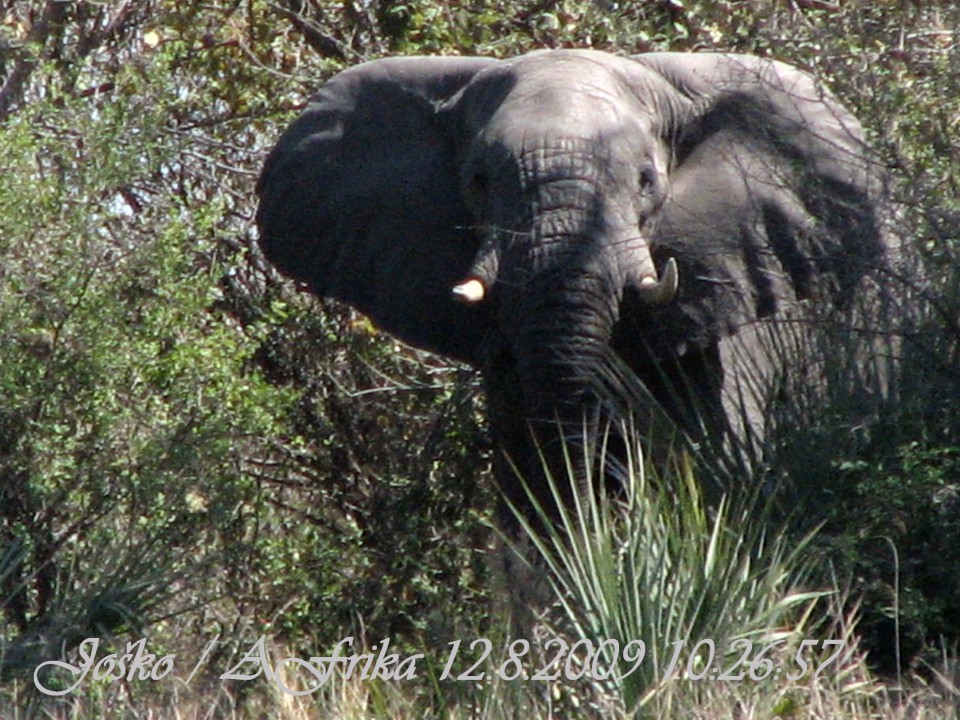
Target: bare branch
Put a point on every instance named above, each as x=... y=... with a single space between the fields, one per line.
x=324 y=45
x=97 y=38
x=12 y=91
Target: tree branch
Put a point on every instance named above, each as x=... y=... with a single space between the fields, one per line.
x=12 y=91
x=324 y=45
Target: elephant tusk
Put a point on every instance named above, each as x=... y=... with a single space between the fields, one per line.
x=470 y=291
x=659 y=292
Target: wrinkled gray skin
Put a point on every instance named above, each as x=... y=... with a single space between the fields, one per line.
x=551 y=190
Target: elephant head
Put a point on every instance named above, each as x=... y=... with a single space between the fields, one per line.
x=535 y=216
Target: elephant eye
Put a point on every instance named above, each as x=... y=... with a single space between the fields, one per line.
x=479 y=184
x=648 y=179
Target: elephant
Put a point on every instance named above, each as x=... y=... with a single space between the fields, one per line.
x=710 y=226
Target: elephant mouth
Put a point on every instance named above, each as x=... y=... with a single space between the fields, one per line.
x=651 y=290
x=559 y=328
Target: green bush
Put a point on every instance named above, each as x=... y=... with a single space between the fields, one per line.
x=895 y=532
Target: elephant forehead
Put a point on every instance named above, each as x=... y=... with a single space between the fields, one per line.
x=572 y=89
x=570 y=67
x=562 y=93
x=549 y=115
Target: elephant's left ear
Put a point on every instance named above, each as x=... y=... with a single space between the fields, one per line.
x=360 y=200
x=773 y=196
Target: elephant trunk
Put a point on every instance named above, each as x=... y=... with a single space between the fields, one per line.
x=558 y=340
x=560 y=275
x=561 y=339
x=562 y=283
x=539 y=381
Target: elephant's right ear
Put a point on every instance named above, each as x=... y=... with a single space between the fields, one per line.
x=775 y=198
x=360 y=200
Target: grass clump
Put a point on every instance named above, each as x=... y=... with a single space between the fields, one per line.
x=677 y=605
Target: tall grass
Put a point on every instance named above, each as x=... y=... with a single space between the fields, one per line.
x=655 y=564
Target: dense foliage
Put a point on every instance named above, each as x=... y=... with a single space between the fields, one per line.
x=191 y=445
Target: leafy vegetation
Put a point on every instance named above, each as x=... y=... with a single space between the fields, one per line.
x=191 y=448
